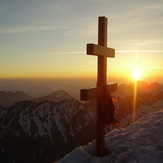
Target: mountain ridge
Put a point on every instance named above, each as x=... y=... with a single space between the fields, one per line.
x=47 y=130
x=40 y=127
x=9 y=98
x=56 y=96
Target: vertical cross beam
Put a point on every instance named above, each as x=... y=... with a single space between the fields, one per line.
x=102 y=60
x=101 y=81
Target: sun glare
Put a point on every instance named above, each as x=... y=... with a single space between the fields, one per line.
x=136 y=74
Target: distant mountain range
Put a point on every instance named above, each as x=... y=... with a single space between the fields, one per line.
x=7 y=99
x=46 y=128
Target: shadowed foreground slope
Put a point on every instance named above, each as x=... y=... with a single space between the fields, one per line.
x=141 y=142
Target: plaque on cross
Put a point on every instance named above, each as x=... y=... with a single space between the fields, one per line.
x=102 y=52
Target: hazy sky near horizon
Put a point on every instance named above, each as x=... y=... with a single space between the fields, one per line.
x=47 y=39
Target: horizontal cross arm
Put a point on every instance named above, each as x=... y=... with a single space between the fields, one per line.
x=94 y=92
x=98 y=50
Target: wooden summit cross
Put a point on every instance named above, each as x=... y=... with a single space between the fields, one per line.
x=102 y=52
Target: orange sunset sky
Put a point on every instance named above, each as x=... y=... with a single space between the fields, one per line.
x=47 y=39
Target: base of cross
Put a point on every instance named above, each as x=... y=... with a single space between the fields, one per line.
x=104 y=105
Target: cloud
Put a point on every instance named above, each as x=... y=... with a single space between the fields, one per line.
x=126 y=65
x=118 y=51
x=28 y=29
x=150 y=62
x=66 y=53
x=157 y=67
x=139 y=51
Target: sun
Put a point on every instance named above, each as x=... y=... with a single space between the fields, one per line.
x=136 y=73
